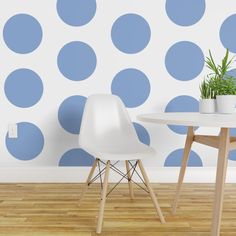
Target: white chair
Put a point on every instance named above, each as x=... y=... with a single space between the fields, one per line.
x=108 y=134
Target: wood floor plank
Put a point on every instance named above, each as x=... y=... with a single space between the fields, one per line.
x=53 y=209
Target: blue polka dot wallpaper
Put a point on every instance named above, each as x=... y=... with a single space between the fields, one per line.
x=54 y=54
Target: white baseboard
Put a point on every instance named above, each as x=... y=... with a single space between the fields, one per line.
x=79 y=174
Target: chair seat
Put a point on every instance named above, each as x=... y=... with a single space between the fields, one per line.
x=129 y=152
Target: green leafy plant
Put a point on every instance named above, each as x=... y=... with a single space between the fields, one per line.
x=218 y=81
x=206 y=90
x=219 y=71
x=223 y=86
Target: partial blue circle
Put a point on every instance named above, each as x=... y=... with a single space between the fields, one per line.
x=232 y=73
x=228 y=33
x=232 y=154
x=23 y=88
x=132 y=86
x=76 y=12
x=185 y=12
x=22 y=33
x=184 y=60
x=76 y=61
x=130 y=33
x=28 y=144
x=70 y=113
x=174 y=159
x=76 y=157
x=142 y=133
x=181 y=104
x=233 y=132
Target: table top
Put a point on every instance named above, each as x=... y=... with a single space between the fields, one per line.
x=191 y=119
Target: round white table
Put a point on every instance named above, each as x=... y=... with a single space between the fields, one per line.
x=224 y=143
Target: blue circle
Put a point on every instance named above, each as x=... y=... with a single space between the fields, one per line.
x=142 y=133
x=23 y=88
x=76 y=12
x=181 y=104
x=22 y=33
x=70 y=113
x=174 y=159
x=228 y=33
x=132 y=86
x=28 y=144
x=185 y=12
x=76 y=157
x=184 y=60
x=76 y=61
x=130 y=33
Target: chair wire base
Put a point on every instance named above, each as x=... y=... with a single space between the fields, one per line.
x=131 y=171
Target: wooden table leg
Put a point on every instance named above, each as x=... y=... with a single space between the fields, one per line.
x=187 y=149
x=220 y=181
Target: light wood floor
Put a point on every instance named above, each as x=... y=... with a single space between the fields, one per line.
x=52 y=209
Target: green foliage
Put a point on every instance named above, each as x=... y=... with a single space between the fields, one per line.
x=223 y=86
x=206 y=90
x=218 y=82
x=219 y=70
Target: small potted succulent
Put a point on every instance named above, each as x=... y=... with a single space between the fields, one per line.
x=222 y=85
x=207 y=103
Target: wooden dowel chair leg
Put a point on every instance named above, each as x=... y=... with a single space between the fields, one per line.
x=85 y=187
x=152 y=194
x=187 y=149
x=103 y=199
x=131 y=190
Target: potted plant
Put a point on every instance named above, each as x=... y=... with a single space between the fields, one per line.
x=222 y=85
x=207 y=102
x=225 y=90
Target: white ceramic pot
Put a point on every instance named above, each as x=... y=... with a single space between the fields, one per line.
x=207 y=105
x=226 y=103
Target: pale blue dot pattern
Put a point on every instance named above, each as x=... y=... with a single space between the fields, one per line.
x=142 y=133
x=23 y=88
x=132 y=86
x=70 y=113
x=174 y=159
x=233 y=132
x=232 y=73
x=76 y=12
x=181 y=104
x=185 y=12
x=228 y=33
x=130 y=33
x=184 y=60
x=29 y=143
x=76 y=61
x=76 y=157
x=22 y=33
x=232 y=154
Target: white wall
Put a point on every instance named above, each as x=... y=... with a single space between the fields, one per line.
x=110 y=61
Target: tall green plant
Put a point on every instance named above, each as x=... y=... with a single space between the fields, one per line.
x=219 y=71
x=219 y=82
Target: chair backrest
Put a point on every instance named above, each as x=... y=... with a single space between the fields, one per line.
x=106 y=125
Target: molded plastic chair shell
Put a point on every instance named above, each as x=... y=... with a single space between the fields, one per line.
x=107 y=132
